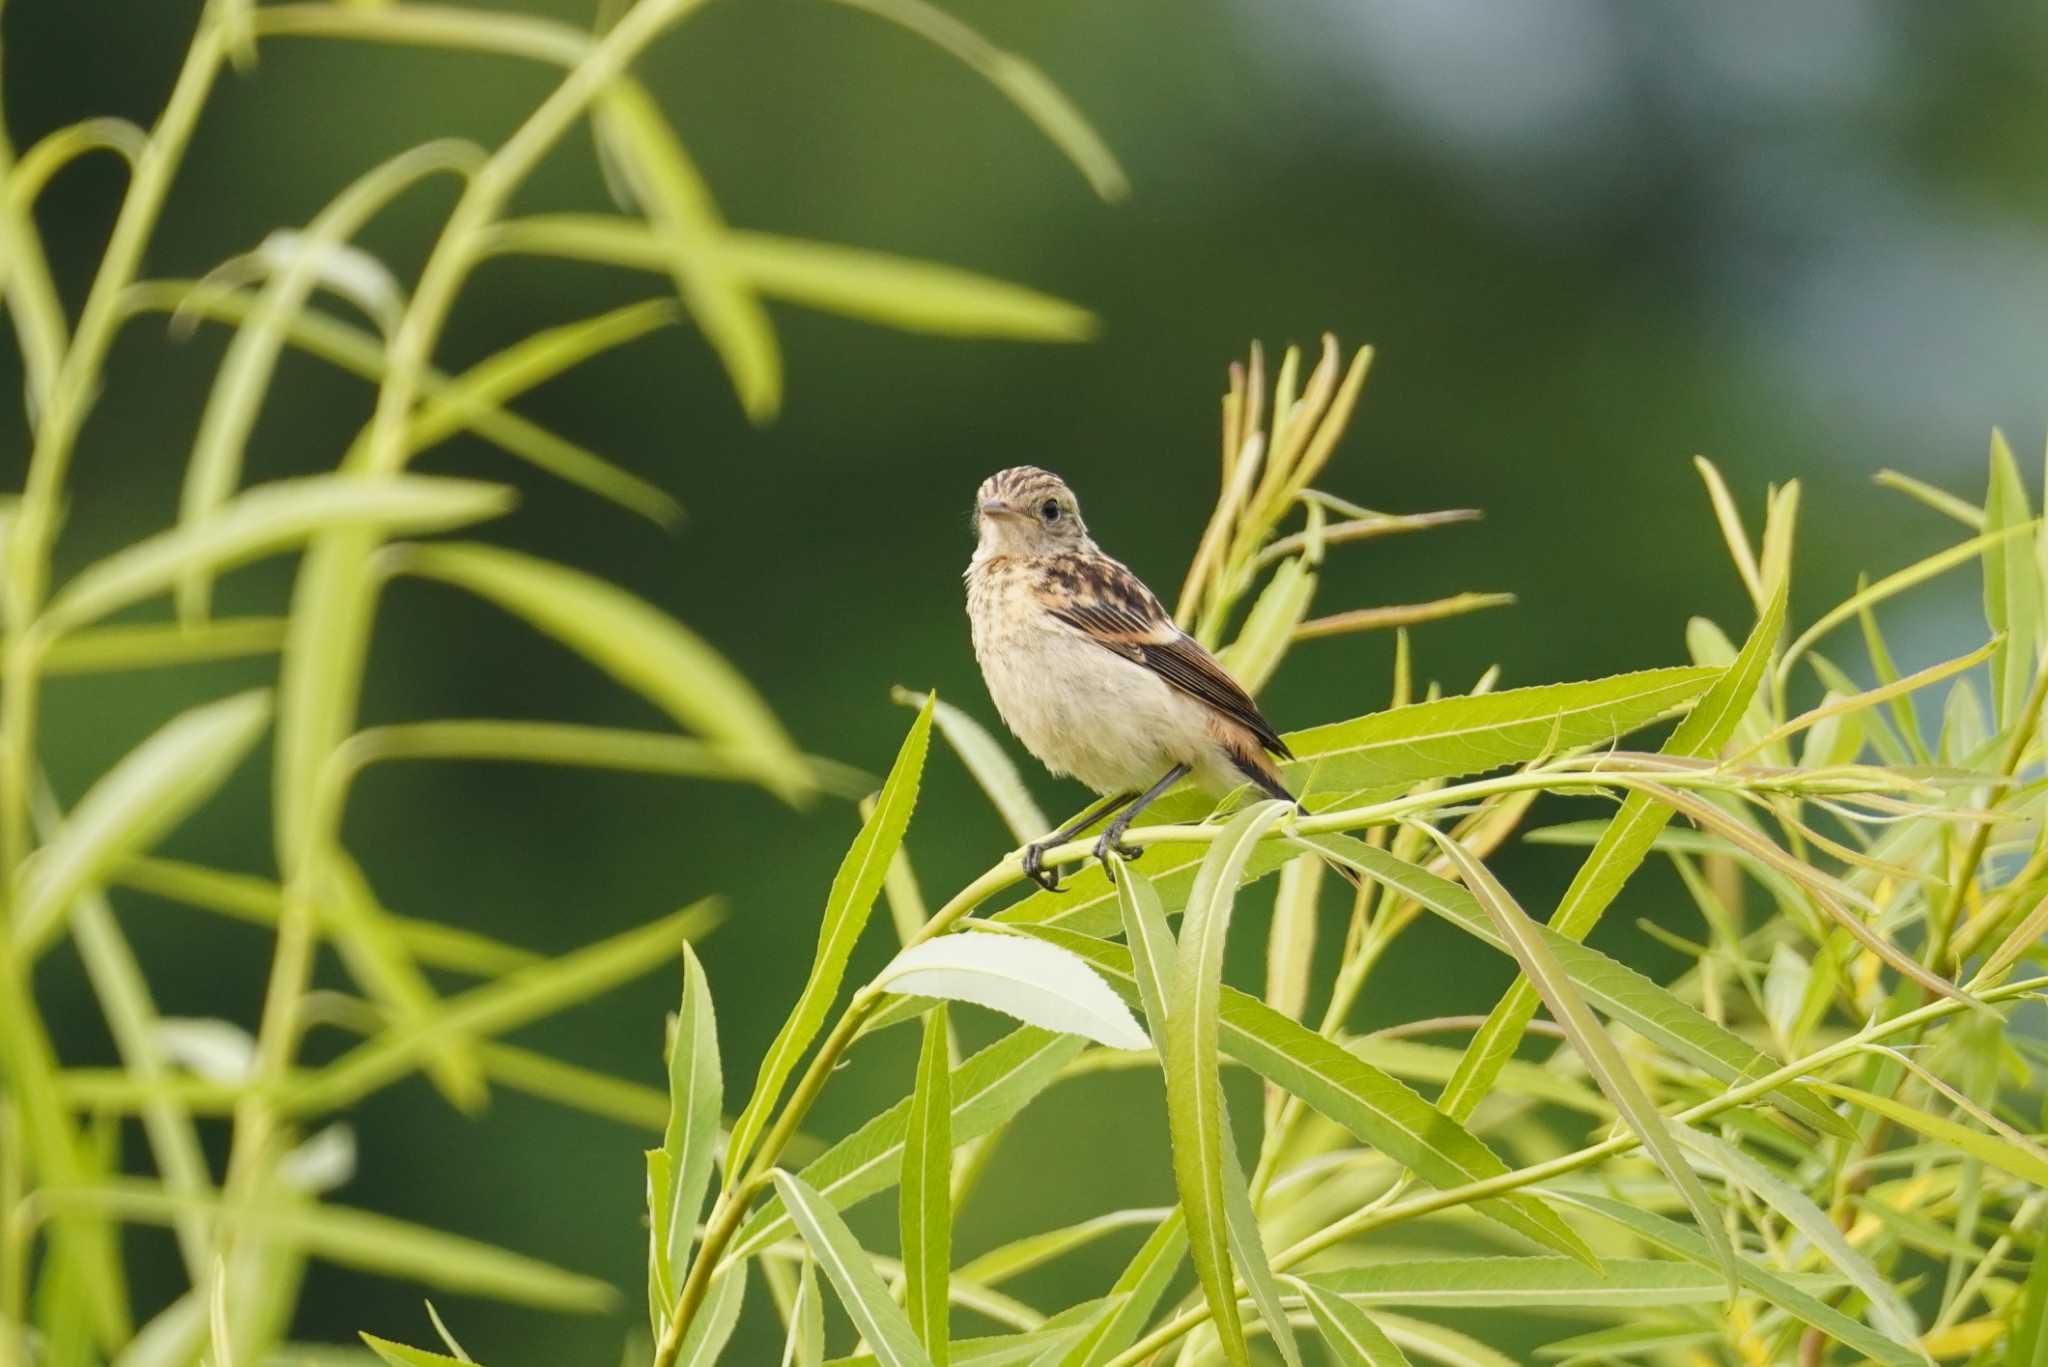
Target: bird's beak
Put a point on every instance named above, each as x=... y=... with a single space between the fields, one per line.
x=995 y=507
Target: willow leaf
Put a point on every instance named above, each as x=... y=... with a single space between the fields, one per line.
x=854 y=889
x=925 y=1216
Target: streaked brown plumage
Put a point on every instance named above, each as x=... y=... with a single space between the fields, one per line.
x=1089 y=670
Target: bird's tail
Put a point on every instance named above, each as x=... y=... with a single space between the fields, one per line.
x=1265 y=775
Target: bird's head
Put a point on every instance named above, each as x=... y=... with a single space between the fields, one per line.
x=1028 y=511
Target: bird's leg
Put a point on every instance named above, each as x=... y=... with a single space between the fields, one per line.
x=1034 y=853
x=1112 y=839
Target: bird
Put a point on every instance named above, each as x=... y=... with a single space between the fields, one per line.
x=1088 y=669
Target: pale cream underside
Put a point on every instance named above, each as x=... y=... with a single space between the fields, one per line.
x=1083 y=710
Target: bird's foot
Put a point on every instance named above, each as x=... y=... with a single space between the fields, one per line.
x=1036 y=871
x=1112 y=843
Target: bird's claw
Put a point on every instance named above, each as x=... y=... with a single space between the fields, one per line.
x=1037 y=872
x=1112 y=843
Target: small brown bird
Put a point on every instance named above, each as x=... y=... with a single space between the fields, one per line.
x=1090 y=672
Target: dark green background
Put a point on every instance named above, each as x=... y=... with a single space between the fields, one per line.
x=1589 y=239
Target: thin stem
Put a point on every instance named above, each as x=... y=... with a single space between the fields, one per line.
x=1943 y=924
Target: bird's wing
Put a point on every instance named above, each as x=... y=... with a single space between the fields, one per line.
x=1109 y=605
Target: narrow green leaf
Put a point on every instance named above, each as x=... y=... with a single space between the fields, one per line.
x=524 y=995
x=988 y=1090
x=1621 y=850
x=1375 y=1107
x=1591 y=1042
x=133 y=805
x=696 y=1090
x=876 y=287
x=853 y=893
x=1019 y=80
x=990 y=764
x=1153 y=950
x=1291 y=944
x=1353 y=1339
x=156 y=645
x=1248 y=1249
x=527 y=363
x=262 y=521
x=447 y=1338
x=1471 y=734
x=805 y=1346
x=670 y=189
x=720 y=1314
x=1525 y=1283
x=362 y=354
x=2012 y=585
x=1131 y=1300
x=402 y=1355
x=1019 y=1256
x=880 y=1322
x=244 y=376
x=1153 y=956
x=131 y=1015
x=1038 y=983
x=925 y=1214
x=356 y=1238
x=640 y=646
x=1796 y=1296
x=1194 y=1083
x=2027 y=1162
x=1269 y=628
x=1635 y=1001
x=377 y=958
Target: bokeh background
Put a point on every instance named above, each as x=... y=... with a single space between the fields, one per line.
x=1588 y=237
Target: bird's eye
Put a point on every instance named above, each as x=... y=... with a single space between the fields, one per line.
x=1050 y=510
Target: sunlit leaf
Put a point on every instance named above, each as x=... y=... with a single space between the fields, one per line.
x=1038 y=983
x=402 y=1355
x=805 y=1346
x=1468 y=735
